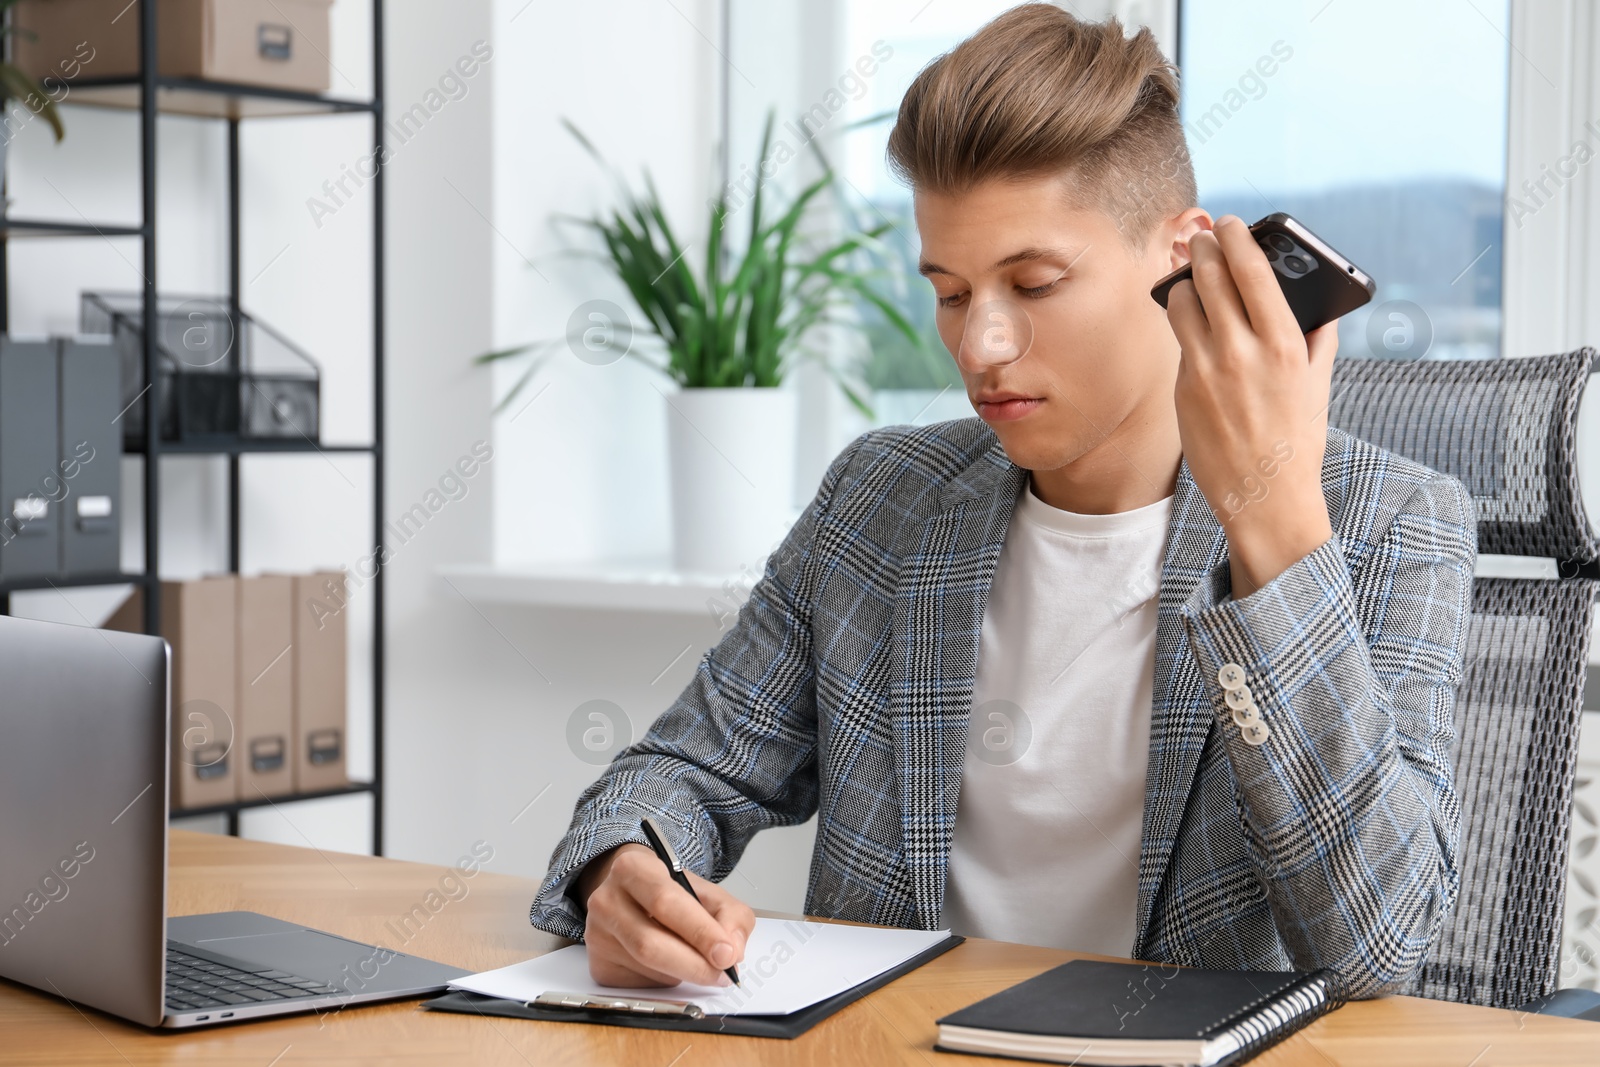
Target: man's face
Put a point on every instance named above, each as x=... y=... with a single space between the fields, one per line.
x=1049 y=317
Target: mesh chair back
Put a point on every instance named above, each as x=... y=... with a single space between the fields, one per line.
x=1507 y=428
x=1517 y=719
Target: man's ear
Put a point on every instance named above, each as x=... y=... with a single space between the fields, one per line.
x=1182 y=228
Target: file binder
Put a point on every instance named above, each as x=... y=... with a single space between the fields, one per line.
x=30 y=486
x=650 y=1015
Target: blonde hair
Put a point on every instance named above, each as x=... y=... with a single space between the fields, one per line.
x=1038 y=91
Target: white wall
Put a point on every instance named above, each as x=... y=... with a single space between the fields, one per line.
x=588 y=474
x=581 y=472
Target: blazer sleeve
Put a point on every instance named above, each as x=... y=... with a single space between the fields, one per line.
x=734 y=754
x=1348 y=809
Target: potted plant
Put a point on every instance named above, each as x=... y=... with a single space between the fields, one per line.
x=727 y=330
x=18 y=85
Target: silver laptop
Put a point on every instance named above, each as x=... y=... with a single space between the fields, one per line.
x=84 y=720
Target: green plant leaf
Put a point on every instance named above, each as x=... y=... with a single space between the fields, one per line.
x=511 y=353
x=17 y=85
x=741 y=317
x=872 y=120
x=522 y=383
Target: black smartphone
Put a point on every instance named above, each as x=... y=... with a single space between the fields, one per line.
x=1318 y=282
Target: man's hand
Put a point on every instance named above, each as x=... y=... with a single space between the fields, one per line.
x=644 y=930
x=1252 y=400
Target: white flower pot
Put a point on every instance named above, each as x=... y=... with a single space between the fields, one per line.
x=731 y=453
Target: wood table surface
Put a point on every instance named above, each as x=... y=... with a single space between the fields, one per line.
x=365 y=898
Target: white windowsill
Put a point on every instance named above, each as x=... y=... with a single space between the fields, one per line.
x=652 y=585
x=624 y=585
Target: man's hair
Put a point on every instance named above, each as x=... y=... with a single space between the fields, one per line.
x=1038 y=91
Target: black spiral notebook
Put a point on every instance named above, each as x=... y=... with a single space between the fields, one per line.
x=1108 y=1014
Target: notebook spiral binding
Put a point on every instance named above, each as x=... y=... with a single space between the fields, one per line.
x=1286 y=1014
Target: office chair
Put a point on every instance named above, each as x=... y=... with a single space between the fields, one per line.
x=1507 y=428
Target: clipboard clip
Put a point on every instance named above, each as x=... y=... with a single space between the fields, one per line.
x=620 y=1005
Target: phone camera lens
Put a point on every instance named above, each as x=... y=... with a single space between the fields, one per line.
x=1296 y=264
x=1272 y=255
x=1280 y=242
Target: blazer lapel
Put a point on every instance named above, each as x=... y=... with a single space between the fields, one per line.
x=1180 y=713
x=938 y=618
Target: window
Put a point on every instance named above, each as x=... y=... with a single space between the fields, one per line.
x=908 y=384
x=1382 y=126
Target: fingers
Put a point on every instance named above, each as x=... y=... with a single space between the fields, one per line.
x=610 y=964
x=644 y=928
x=1214 y=284
x=1188 y=319
x=671 y=905
x=1322 y=344
x=1254 y=281
x=654 y=948
x=732 y=913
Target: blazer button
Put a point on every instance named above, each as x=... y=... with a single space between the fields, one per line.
x=1255 y=734
x=1238 y=698
x=1231 y=676
x=1246 y=715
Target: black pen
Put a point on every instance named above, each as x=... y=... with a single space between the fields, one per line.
x=663 y=851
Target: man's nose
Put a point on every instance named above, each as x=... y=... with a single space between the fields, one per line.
x=996 y=333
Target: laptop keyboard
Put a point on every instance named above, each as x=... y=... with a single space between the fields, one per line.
x=194 y=983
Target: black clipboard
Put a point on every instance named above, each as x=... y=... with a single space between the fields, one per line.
x=781 y=1026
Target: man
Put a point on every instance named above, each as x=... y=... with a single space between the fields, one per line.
x=1144 y=660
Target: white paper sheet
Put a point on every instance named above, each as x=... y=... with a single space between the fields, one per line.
x=788 y=965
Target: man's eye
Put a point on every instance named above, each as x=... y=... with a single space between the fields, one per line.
x=953 y=300
x=1038 y=291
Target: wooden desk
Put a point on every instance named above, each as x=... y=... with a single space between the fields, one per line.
x=365 y=898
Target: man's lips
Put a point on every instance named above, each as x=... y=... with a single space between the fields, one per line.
x=1006 y=407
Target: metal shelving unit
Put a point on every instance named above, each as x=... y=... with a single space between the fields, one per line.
x=152 y=95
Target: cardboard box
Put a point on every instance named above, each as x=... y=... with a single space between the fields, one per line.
x=197 y=619
x=280 y=43
x=319 y=681
x=129 y=616
x=266 y=687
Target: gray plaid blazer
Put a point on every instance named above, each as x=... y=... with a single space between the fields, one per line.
x=845 y=687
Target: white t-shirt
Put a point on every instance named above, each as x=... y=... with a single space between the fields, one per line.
x=1046 y=846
